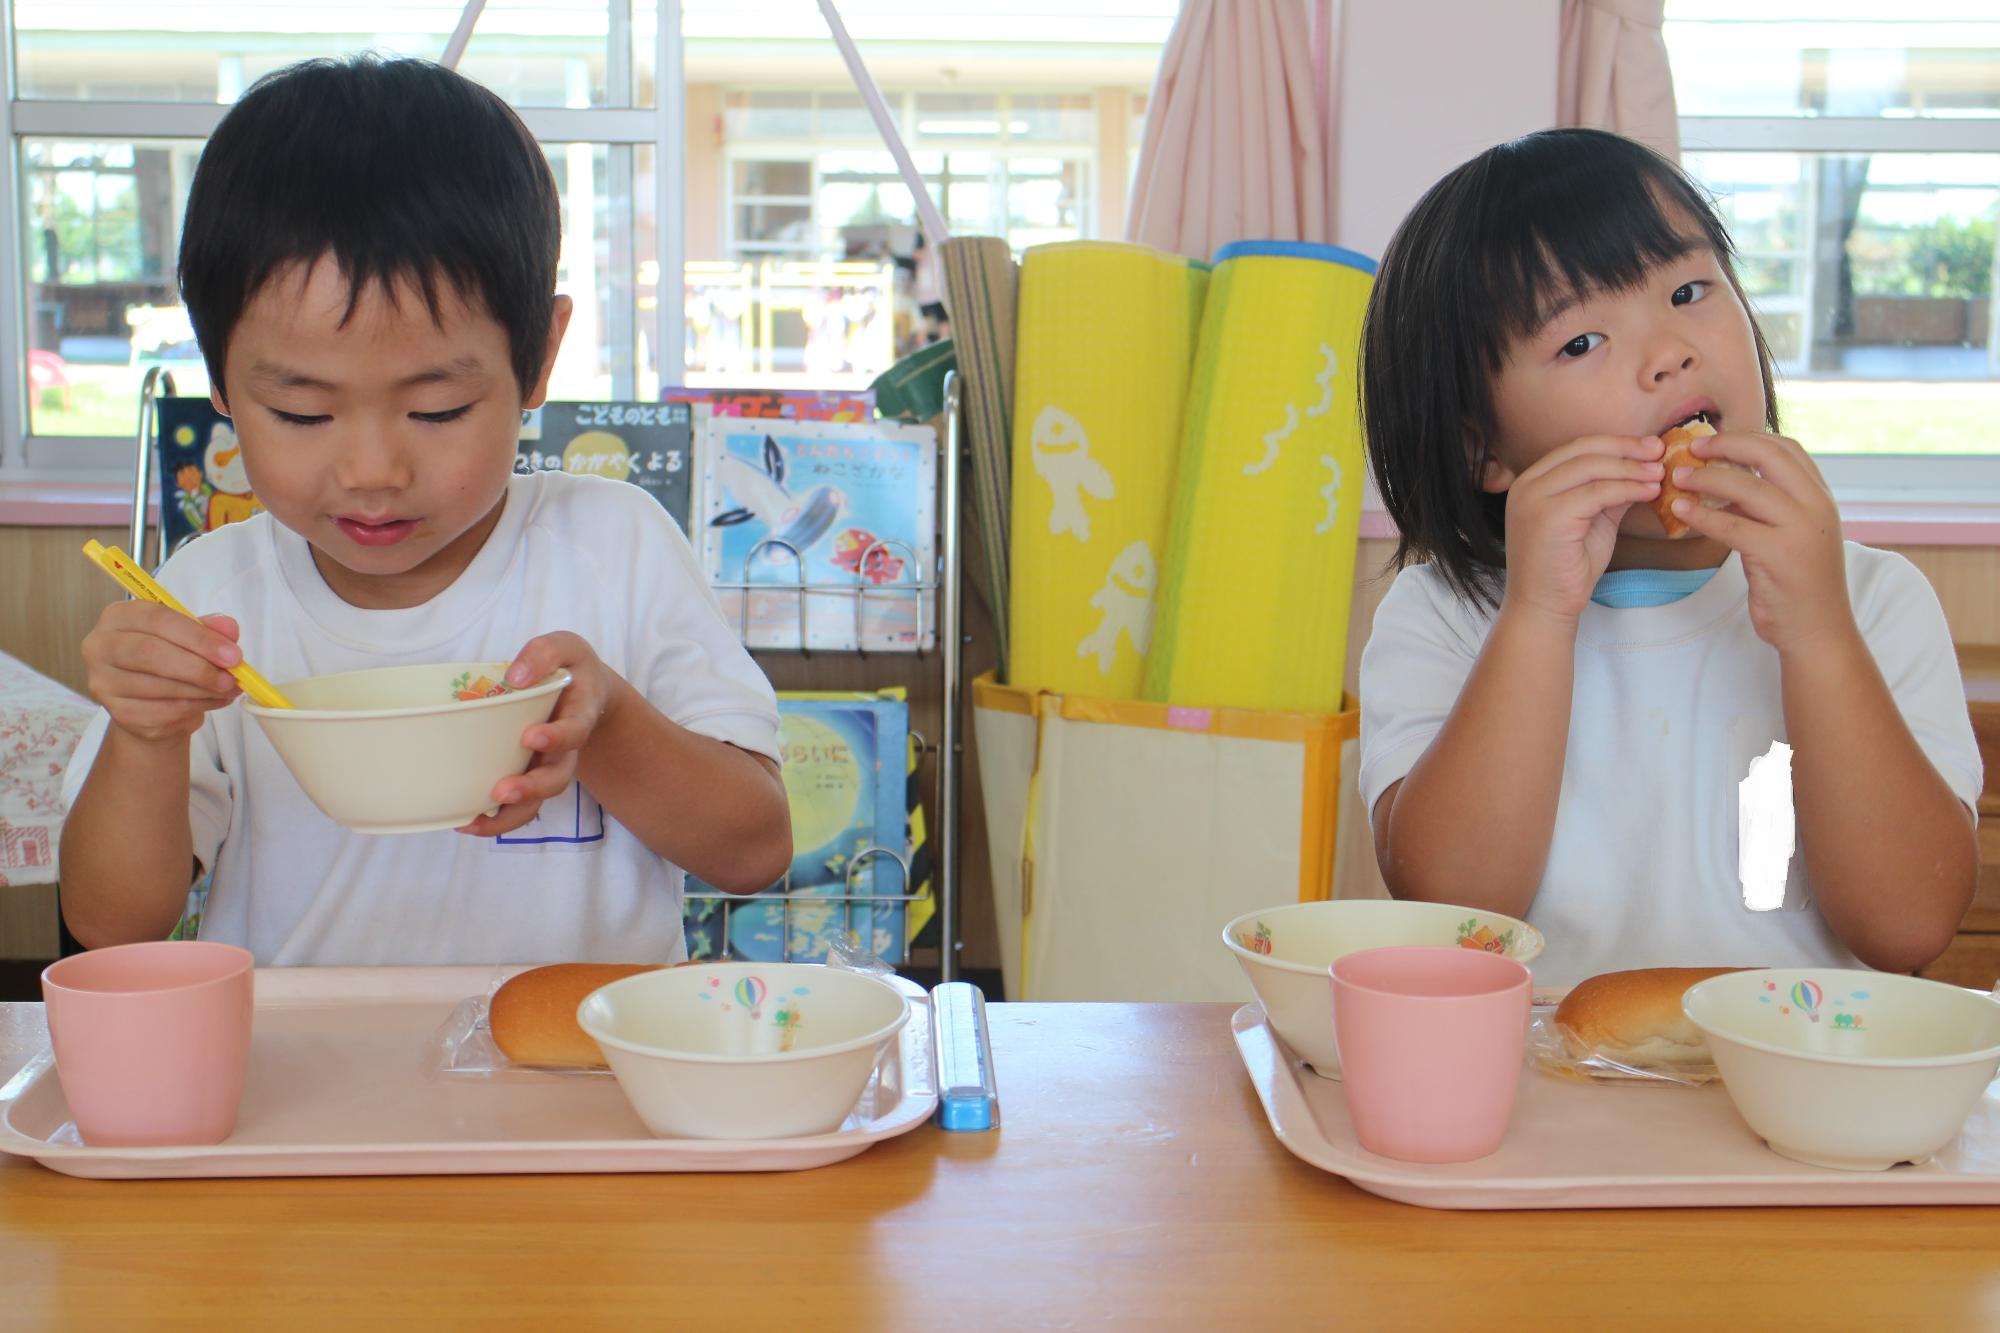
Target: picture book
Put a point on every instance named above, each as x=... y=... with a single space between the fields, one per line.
x=784 y=404
x=839 y=518
x=647 y=444
x=845 y=760
x=202 y=481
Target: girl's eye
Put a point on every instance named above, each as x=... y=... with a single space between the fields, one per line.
x=1690 y=292
x=1581 y=345
x=440 y=418
x=296 y=419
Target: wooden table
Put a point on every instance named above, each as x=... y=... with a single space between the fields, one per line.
x=1134 y=1183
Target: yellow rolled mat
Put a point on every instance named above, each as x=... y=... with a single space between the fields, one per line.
x=1105 y=345
x=1258 y=576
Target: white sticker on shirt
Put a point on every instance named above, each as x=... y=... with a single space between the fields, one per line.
x=1770 y=874
x=1766 y=829
x=572 y=820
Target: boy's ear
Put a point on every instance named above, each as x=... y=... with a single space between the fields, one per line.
x=215 y=399
x=1494 y=476
x=558 y=324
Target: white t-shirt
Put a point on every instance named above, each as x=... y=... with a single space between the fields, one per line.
x=595 y=557
x=1671 y=703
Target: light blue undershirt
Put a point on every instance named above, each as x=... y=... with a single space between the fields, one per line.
x=1622 y=589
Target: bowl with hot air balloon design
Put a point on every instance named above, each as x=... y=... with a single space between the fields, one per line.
x=1848 y=1068
x=744 y=1050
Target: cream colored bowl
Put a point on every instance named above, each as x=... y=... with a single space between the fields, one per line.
x=744 y=1050
x=1851 y=1069
x=405 y=749
x=1286 y=951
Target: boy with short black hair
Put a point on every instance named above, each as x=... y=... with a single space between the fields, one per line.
x=369 y=262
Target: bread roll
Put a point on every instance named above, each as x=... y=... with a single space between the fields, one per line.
x=533 y=1015
x=1680 y=453
x=1634 y=1018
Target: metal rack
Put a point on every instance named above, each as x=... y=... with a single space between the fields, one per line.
x=945 y=582
x=159 y=383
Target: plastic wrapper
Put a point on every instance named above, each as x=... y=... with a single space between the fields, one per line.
x=463 y=1045
x=1549 y=1052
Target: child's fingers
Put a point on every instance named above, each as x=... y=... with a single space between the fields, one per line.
x=1733 y=530
x=543 y=780
x=557 y=735
x=1751 y=495
x=1587 y=469
x=147 y=621
x=1644 y=448
x=543 y=654
x=511 y=817
x=117 y=684
x=226 y=626
x=1782 y=461
x=1600 y=496
x=146 y=655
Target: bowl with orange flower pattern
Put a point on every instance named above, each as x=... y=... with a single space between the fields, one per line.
x=1286 y=953
x=406 y=749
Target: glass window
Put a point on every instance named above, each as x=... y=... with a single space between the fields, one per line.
x=958 y=116
x=1052 y=117
x=767 y=115
x=769 y=179
x=1872 y=276
x=1835 y=58
x=103 y=231
x=102 y=223
x=535 y=53
x=1871 y=271
x=842 y=116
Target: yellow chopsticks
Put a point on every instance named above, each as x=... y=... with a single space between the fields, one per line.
x=141 y=585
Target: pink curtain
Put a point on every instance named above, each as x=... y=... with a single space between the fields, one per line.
x=1236 y=142
x=1613 y=73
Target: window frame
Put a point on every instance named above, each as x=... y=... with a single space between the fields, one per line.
x=1910 y=484
x=1002 y=148
x=64 y=458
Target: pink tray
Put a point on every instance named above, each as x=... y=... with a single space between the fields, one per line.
x=340 y=1086
x=1604 y=1145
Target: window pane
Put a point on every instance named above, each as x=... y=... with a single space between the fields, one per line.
x=1873 y=280
x=793 y=179
x=102 y=225
x=1060 y=117
x=1816 y=58
x=775 y=224
x=111 y=235
x=768 y=115
x=842 y=116
x=970 y=206
x=958 y=115
x=595 y=269
x=532 y=52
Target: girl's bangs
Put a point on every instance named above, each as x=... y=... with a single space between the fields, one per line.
x=1565 y=233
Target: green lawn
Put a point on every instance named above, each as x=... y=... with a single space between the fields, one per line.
x=104 y=400
x=1827 y=416
x=1885 y=417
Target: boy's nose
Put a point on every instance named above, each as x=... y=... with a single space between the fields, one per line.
x=371 y=463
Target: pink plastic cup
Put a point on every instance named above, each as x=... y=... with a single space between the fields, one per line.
x=152 y=1040
x=1431 y=1043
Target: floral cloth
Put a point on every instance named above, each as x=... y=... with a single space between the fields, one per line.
x=40 y=724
